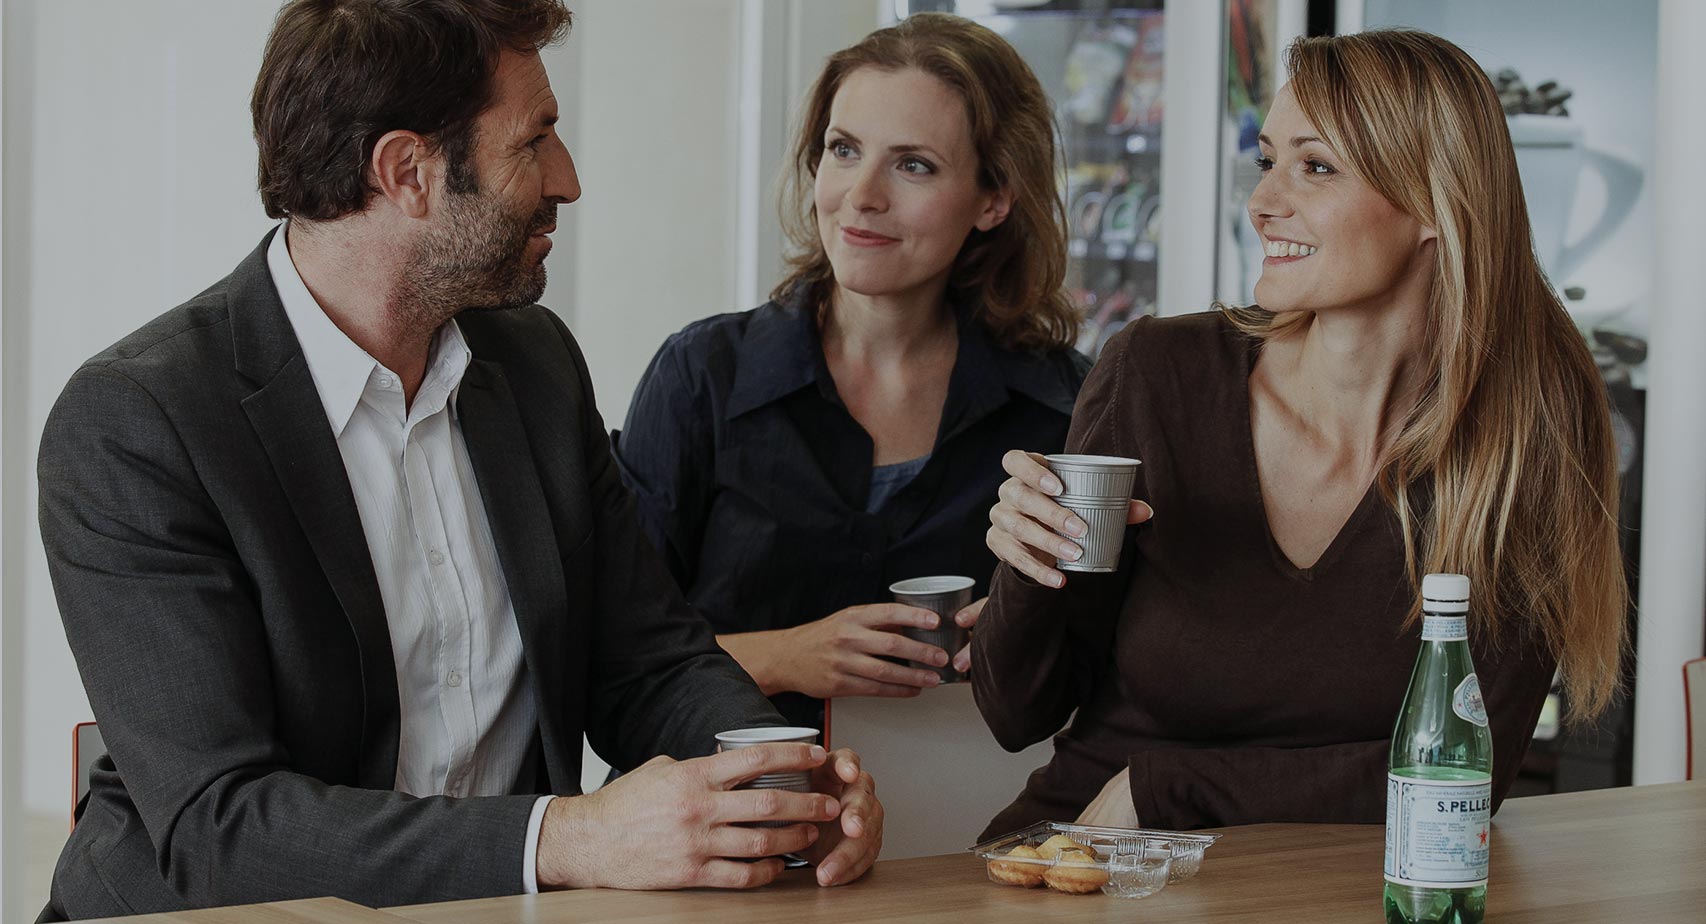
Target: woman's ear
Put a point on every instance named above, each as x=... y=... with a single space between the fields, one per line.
x=995 y=210
x=401 y=171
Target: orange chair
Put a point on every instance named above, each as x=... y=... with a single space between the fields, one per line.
x=86 y=748
x=1694 y=704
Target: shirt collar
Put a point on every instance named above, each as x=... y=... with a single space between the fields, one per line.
x=781 y=352
x=343 y=371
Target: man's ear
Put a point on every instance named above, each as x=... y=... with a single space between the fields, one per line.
x=403 y=172
x=995 y=212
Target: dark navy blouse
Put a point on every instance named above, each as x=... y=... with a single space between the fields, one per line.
x=753 y=479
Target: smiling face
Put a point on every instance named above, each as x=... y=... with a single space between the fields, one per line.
x=1331 y=240
x=488 y=244
x=896 y=192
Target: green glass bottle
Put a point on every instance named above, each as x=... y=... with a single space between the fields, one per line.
x=1439 y=781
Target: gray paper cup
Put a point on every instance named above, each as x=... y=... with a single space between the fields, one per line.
x=1094 y=476
x=944 y=595
x=792 y=781
x=1101 y=544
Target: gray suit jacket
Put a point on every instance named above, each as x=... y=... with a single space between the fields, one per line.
x=221 y=603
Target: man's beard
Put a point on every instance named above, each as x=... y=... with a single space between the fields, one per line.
x=476 y=258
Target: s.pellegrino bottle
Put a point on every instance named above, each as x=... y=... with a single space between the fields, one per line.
x=1439 y=779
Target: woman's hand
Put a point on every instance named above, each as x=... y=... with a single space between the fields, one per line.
x=842 y=654
x=1112 y=807
x=1023 y=524
x=968 y=619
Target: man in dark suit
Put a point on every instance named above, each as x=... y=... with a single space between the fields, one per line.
x=341 y=551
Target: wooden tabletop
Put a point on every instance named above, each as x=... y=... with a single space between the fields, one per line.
x=1636 y=855
x=304 y=911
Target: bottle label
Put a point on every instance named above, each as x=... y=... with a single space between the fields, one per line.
x=1436 y=831
x=1467 y=703
x=1437 y=628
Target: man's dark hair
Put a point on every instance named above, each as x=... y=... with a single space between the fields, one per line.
x=338 y=74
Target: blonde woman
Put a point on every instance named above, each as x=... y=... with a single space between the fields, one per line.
x=1409 y=396
x=793 y=461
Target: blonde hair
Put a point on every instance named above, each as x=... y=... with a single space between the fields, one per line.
x=1512 y=426
x=1012 y=274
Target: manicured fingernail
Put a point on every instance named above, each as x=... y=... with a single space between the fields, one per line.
x=1056 y=580
x=932 y=622
x=1076 y=527
x=1070 y=551
x=856 y=823
x=1051 y=484
x=931 y=680
x=938 y=657
x=962 y=663
x=825 y=874
x=817 y=752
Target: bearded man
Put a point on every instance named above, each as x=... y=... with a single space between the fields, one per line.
x=341 y=552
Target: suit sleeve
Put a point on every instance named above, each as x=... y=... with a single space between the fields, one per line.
x=666 y=458
x=662 y=683
x=1339 y=783
x=167 y=629
x=1037 y=649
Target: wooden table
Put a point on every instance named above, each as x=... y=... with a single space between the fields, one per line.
x=303 y=911
x=1620 y=855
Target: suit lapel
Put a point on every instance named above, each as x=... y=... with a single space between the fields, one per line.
x=291 y=423
x=522 y=529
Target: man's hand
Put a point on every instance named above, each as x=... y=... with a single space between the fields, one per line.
x=677 y=825
x=847 y=846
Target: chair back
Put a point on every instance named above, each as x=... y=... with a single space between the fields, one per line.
x=86 y=748
x=1694 y=702
x=939 y=771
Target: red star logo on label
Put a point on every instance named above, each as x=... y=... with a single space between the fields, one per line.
x=1483 y=837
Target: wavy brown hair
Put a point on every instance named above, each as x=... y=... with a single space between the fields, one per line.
x=1512 y=430
x=1012 y=274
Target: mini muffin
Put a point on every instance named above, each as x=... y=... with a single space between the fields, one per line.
x=1075 y=872
x=1014 y=872
x=1053 y=847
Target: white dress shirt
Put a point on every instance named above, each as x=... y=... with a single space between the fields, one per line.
x=467 y=711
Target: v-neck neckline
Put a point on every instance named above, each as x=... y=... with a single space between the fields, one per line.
x=1352 y=524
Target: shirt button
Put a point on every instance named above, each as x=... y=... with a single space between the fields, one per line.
x=385 y=381
x=455 y=679
x=436 y=557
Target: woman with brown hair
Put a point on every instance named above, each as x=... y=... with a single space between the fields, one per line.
x=1409 y=396
x=794 y=460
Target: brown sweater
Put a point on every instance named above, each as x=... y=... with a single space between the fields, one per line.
x=1237 y=687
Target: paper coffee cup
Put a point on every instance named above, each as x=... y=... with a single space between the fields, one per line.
x=1087 y=476
x=1102 y=542
x=943 y=595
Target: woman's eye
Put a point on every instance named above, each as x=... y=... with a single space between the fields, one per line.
x=1317 y=168
x=916 y=165
x=1264 y=164
x=840 y=150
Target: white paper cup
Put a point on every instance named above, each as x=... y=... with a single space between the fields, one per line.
x=1102 y=542
x=944 y=595
x=1085 y=476
x=790 y=780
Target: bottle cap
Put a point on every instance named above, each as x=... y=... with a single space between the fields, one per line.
x=1446 y=588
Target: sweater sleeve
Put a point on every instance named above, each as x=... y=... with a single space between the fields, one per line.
x=1037 y=649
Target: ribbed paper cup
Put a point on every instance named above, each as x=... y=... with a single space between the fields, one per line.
x=944 y=595
x=790 y=780
x=1094 y=476
x=1101 y=544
